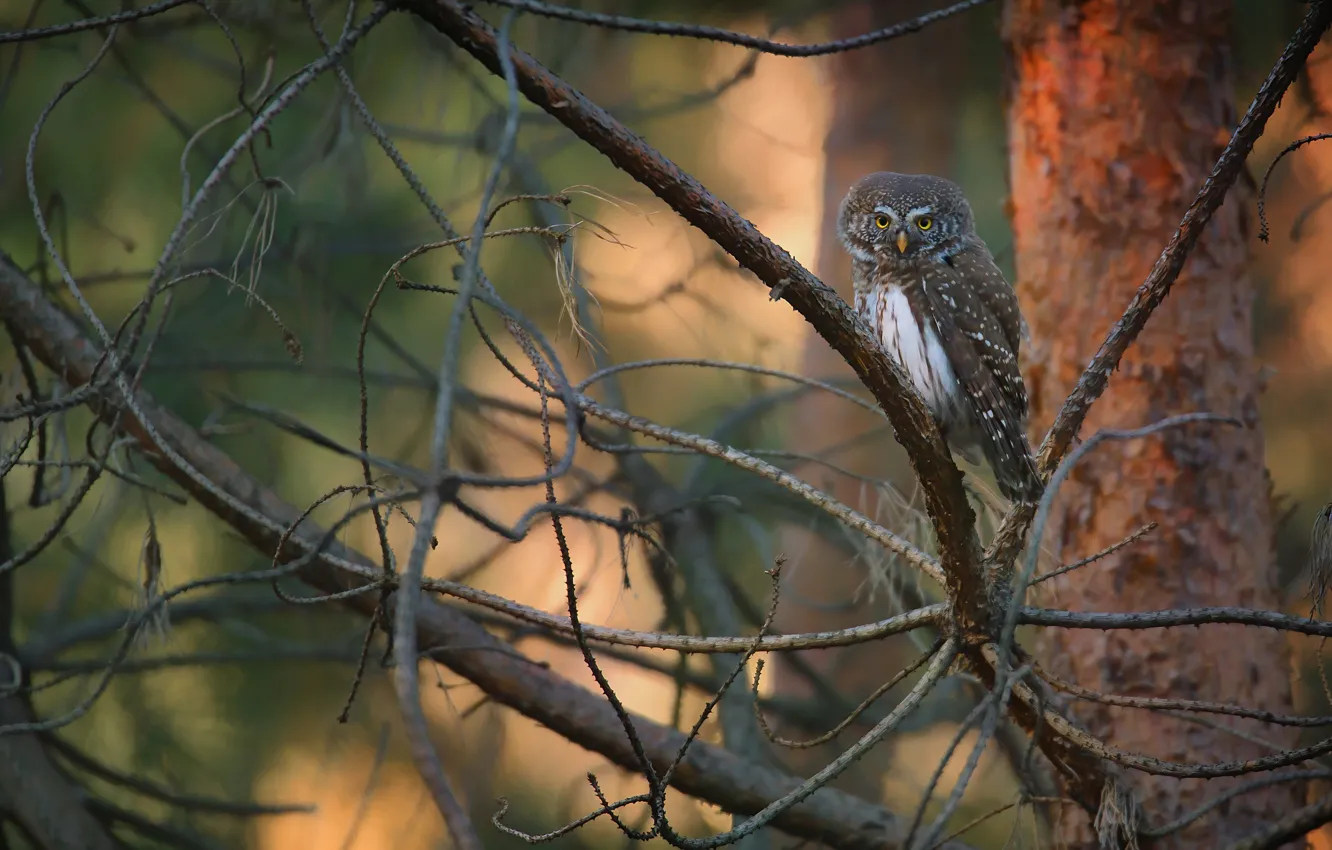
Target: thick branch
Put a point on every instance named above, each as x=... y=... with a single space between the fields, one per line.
x=819 y=304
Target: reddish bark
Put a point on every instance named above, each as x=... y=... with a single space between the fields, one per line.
x=1118 y=110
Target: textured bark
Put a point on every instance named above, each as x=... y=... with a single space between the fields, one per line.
x=1118 y=109
x=871 y=102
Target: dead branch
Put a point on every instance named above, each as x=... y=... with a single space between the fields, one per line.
x=762 y=45
x=831 y=317
x=708 y=772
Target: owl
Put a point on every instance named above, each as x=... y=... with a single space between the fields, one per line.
x=931 y=291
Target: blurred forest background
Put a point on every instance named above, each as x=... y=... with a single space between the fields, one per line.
x=239 y=698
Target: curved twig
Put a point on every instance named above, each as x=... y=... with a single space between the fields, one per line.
x=707 y=33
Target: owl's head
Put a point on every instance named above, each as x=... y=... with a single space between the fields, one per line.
x=894 y=217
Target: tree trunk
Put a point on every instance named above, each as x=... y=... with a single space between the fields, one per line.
x=1118 y=110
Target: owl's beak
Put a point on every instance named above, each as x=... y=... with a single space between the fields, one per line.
x=901 y=242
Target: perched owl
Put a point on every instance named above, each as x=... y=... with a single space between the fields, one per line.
x=931 y=290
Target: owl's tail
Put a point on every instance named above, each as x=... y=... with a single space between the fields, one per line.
x=1017 y=477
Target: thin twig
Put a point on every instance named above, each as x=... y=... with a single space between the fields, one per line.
x=763 y=45
x=91 y=23
x=1292 y=826
x=407 y=600
x=1093 y=558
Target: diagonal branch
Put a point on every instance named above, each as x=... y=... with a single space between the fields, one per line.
x=819 y=304
x=708 y=772
x=949 y=511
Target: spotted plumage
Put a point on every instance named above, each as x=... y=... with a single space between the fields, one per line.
x=931 y=290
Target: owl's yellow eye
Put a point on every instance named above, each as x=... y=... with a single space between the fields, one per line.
x=924 y=222
x=881 y=221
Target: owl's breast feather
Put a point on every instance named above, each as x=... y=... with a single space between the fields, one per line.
x=915 y=346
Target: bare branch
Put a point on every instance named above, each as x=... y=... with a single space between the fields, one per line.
x=936 y=670
x=1221 y=799
x=1097 y=556
x=853 y=519
x=1161 y=767
x=1167 y=704
x=708 y=772
x=175 y=798
x=831 y=317
x=763 y=45
x=91 y=23
x=930 y=615
x=1292 y=826
x=850 y=718
x=1029 y=616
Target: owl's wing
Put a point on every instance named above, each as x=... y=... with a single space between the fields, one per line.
x=975 y=263
x=974 y=338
